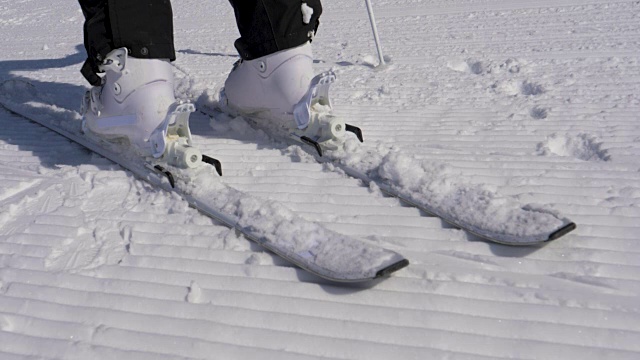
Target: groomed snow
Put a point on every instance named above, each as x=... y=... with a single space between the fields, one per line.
x=534 y=100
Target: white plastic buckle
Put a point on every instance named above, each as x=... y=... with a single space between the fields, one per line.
x=175 y=125
x=318 y=93
x=115 y=60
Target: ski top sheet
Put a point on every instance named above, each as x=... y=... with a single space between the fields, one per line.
x=431 y=186
x=307 y=244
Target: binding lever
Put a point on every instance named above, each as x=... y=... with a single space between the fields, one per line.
x=318 y=93
x=307 y=140
x=356 y=130
x=168 y=174
x=213 y=162
x=172 y=141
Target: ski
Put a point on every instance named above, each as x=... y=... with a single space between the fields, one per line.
x=309 y=245
x=472 y=208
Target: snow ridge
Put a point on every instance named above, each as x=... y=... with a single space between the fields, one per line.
x=140 y=275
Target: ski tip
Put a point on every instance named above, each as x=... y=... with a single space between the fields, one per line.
x=562 y=231
x=392 y=268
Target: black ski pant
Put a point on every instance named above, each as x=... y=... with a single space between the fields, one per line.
x=145 y=28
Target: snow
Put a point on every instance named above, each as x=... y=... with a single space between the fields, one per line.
x=307 y=12
x=581 y=146
x=508 y=100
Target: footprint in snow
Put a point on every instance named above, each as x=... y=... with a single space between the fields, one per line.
x=581 y=146
x=514 y=87
x=479 y=67
x=539 y=113
x=466 y=66
x=531 y=88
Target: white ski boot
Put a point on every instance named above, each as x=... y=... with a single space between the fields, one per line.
x=281 y=87
x=269 y=86
x=136 y=102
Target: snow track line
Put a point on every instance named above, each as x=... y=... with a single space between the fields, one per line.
x=490 y=293
x=614 y=278
x=471 y=7
x=251 y=293
x=23 y=346
x=409 y=339
x=239 y=333
x=224 y=279
x=13 y=249
x=31 y=190
x=150 y=311
x=14 y=356
x=186 y=252
x=117 y=344
x=608 y=280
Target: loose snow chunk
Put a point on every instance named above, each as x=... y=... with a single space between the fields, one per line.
x=194 y=294
x=307 y=12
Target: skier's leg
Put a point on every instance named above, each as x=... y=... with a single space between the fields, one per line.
x=268 y=26
x=113 y=24
x=135 y=95
x=97 y=37
x=276 y=67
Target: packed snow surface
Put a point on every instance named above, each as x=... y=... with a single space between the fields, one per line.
x=511 y=101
